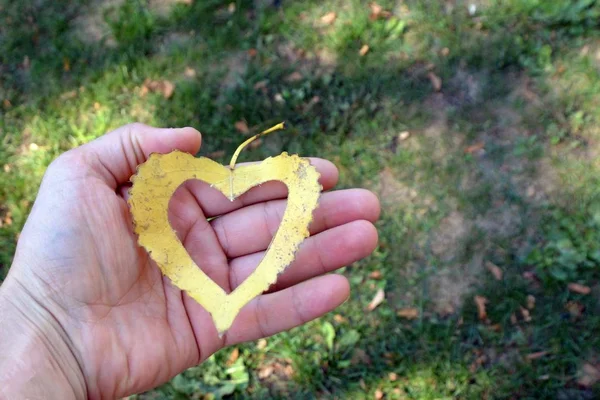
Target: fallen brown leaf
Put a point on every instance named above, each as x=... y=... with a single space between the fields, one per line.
x=311 y=103
x=189 y=72
x=376 y=10
x=255 y=144
x=574 y=308
x=216 y=154
x=530 y=302
x=480 y=302
x=66 y=65
x=494 y=270
x=235 y=354
x=589 y=375
x=261 y=85
x=329 y=18
x=69 y=95
x=474 y=148
x=294 y=77
x=408 y=313
x=252 y=53
x=525 y=314
x=377 y=300
x=363 y=50
x=578 y=288
x=378 y=394
x=536 y=355
x=265 y=372
x=375 y=275
x=165 y=87
x=242 y=127
x=340 y=319
x=436 y=81
x=359 y=356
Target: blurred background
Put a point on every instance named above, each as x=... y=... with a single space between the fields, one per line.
x=476 y=122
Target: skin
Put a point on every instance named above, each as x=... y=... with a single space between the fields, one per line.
x=87 y=314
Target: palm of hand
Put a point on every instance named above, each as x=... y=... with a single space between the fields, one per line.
x=131 y=330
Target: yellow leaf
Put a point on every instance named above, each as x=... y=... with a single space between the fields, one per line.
x=159 y=177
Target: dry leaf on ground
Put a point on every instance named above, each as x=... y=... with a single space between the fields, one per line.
x=574 y=308
x=216 y=154
x=408 y=313
x=265 y=372
x=375 y=275
x=525 y=314
x=260 y=85
x=589 y=375
x=329 y=18
x=436 y=81
x=377 y=300
x=165 y=87
x=340 y=319
x=536 y=355
x=494 y=270
x=242 y=127
x=403 y=135
x=530 y=302
x=363 y=50
x=235 y=354
x=480 y=302
x=189 y=72
x=294 y=77
x=377 y=12
x=474 y=148
x=578 y=288
x=252 y=52
x=359 y=356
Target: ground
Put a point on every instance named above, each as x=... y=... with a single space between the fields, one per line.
x=476 y=123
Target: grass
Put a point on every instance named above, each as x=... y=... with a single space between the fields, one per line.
x=500 y=166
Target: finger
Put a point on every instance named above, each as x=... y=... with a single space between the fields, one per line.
x=214 y=203
x=251 y=229
x=269 y=314
x=115 y=156
x=319 y=254
x=197 y=236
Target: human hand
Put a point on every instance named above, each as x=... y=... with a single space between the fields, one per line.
x=86 y=309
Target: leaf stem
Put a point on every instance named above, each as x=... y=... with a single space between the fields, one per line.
x=241 y=147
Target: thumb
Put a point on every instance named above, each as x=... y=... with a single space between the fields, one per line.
x=116 y=155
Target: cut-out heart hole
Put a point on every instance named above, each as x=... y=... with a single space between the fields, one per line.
x=214 y=230
x=157 y=180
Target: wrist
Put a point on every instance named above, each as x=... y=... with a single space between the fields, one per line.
x=36 y=360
